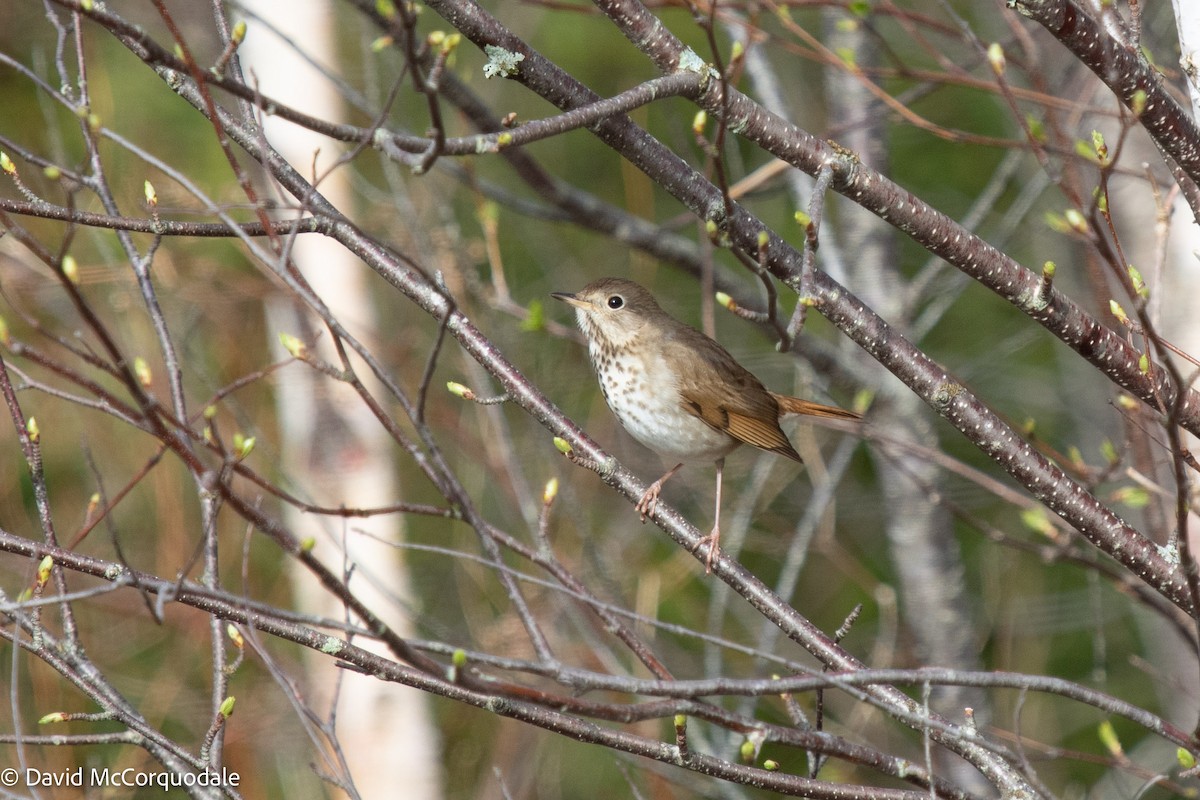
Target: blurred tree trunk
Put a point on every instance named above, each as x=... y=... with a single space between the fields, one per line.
x=389 y=738
x=936 y=608
x=1164 y=244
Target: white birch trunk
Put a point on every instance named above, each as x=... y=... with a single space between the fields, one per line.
x=332 y=447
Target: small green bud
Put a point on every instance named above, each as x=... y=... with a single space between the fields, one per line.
x=995 y=56
x=1100 y=147
x=562 y=445
x=1036 y=520
x=293 y=345
x=6 y=164
x=227 y=706
x=142 y=370
x=53 y=716
x=1108 y=737
x=1075 y=456
x=1118 y=312
x=43 y=570
x=151 y=195
x=1037 y=129
x=70 y=268
x=550 y=492
x=235 y=636
x=458 y=660
x=243 y=445
x=1139 y=285
x=1132 y=496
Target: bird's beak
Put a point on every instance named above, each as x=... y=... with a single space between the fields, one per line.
x=570 y=299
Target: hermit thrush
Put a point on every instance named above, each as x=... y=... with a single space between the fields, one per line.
x=676 y=390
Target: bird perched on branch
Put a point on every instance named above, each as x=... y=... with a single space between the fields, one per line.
x=677 y=391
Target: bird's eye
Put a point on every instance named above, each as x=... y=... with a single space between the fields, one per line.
x=616 y=301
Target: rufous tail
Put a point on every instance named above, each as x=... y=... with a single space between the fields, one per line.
x=794 y=405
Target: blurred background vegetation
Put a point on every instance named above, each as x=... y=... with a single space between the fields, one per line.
x=1032 y=608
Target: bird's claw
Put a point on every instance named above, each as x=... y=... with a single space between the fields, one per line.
x=645 y=507
x=713 y=540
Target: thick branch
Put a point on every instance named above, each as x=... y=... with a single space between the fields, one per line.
x=933 y=230
x=1043 y=479
x=1135 y=82
x=559 y=721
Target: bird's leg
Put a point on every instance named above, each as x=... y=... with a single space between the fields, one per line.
x=713 y=540
x=650 y=497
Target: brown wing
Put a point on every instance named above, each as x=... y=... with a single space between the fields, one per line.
x=718 y=390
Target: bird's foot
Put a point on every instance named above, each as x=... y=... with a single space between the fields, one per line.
x=649 y=501
x=713 y=540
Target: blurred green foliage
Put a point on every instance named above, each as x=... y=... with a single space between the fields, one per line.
x=1034 y=617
